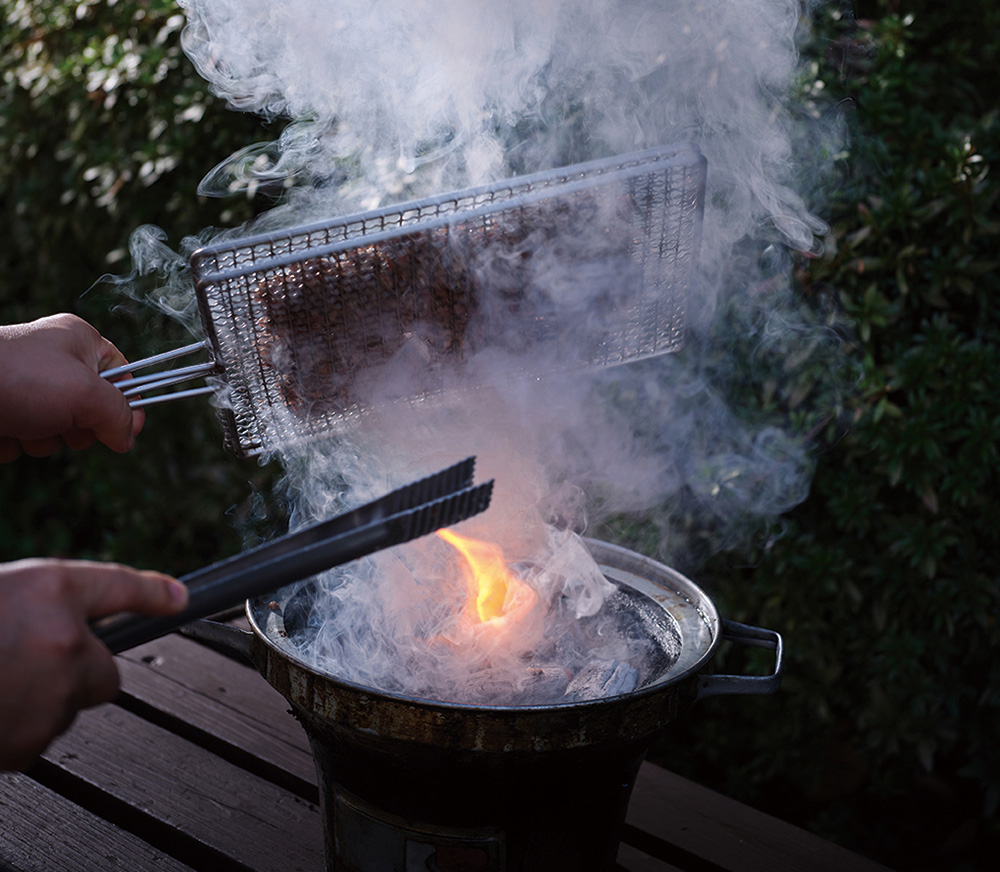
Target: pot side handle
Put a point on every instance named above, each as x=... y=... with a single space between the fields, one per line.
x=718 y=685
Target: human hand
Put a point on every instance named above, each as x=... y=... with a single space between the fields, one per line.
x=51 y=664
x=51 y=392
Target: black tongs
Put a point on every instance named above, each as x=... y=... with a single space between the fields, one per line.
x=414 y=510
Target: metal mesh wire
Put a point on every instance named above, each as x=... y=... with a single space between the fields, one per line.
x=583 y=266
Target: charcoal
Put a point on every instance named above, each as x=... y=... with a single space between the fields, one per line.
x=540 y=685
x=602 y=678
x=545 y=683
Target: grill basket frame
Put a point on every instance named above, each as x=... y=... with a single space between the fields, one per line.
x=261 y=407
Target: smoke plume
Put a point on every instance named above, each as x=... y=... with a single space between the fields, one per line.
x=386 y=101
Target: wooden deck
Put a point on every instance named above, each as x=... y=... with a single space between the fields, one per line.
x=199 y=766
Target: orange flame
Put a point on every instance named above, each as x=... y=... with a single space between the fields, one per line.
x=493 y=589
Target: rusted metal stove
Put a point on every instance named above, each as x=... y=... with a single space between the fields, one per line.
x=420 y=784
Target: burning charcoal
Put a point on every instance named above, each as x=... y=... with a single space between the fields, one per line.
x=602 y=678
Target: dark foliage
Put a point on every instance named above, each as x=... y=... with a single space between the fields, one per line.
x=104 y=127
x=886 y=581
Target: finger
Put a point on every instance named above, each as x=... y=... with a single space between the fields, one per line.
x=41 y=447
x=10 y=449
x=79 y=439
x=108 y=355
x=109 y=416
x=91 y=679
x=138 y=421
x=100 y=407
x=100 y=680
x=135 y=418
x=84 y=341
x=106 y=588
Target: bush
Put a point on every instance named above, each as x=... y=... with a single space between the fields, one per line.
x=885 y=581
x=106 y=126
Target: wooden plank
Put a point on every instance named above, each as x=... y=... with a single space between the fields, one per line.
x=206 y=694
x=218 y=679
x=42 y=831
x=633 y=860
x=233 y=703
x=671 y=820
x=142 y=771
x=697 y=828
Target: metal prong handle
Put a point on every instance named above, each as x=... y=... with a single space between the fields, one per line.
x=165 y=378
x=169 y=398
x=154 y=360
x=145 y=384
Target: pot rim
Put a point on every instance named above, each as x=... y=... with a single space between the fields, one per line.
x=692 y=611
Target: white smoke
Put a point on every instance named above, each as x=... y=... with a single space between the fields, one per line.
x=388 y=98
x=387 y=101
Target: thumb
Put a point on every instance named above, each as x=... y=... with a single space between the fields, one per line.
x=99 y=408
x=113 y=421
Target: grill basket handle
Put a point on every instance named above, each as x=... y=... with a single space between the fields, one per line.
x=719 y=685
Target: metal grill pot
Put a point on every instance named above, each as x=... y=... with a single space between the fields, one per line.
x=419 y=784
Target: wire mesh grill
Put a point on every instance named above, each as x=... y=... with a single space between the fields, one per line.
x=583 y=266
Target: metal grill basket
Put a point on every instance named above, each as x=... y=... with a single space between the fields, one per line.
x=582 y=266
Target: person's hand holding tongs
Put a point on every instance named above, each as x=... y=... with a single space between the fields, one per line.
x=414 y=510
